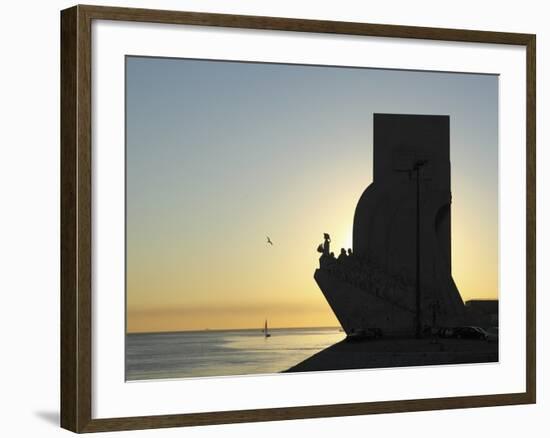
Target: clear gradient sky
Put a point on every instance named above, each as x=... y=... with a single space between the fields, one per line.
x=220 y=155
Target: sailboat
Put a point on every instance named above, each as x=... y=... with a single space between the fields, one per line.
x=265 y=332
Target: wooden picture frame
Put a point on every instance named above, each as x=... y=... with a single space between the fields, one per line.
x=76 y=217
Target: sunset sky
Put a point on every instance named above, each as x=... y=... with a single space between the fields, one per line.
x=220 y=155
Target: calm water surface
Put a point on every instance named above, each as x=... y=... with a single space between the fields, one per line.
x=222 y=353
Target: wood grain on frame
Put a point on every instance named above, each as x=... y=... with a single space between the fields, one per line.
x=76 y=222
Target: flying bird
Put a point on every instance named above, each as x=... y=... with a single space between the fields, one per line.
x=269 y=241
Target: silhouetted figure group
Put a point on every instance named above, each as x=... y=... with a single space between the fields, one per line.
x=363 y=274
x=327 y=257
x=343 y=254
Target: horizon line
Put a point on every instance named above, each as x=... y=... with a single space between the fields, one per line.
x=228 y=329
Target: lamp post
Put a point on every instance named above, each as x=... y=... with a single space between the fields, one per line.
x=416 y=168
x=418 y=298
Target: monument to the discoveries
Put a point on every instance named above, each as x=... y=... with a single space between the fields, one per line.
x=398 y=279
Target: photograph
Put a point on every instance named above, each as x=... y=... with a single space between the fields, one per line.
x=289 y=218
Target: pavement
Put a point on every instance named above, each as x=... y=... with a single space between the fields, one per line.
x=399 y=352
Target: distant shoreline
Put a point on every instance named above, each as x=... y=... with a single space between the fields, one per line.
x=231 y=330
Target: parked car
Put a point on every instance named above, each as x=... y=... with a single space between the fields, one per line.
x=360 y=334
x=375 y=332
x=430 y=331
x=446 y=332
x=470 y=333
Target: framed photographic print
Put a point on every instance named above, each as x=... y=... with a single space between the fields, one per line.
x=270 y=218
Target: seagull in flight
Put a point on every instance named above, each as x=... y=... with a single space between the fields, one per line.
x=269 y=241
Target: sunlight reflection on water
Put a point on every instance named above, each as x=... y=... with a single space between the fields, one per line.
x=222 y=353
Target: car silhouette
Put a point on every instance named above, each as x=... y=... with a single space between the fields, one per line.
x=471 y=333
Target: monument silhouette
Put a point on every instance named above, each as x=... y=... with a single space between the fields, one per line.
x=398 y=280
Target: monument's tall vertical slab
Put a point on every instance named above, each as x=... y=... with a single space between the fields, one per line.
x=412 y=182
